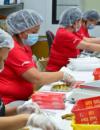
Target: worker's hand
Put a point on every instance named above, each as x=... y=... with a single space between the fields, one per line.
x=69 y=79
x=41 y=121
x=29 y=107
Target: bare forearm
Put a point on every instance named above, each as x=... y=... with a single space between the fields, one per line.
x=89 y=46
x=41 y=78
x=49 y=77
x=13 y=122
x=93 y=40
x=94 y=47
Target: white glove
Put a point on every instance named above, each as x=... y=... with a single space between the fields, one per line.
x=41 y=121
x=69 y=79
x=29 y=107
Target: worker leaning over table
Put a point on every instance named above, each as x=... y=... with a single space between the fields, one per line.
x=29 y=114
x=66 y=43
x=20 y=72
x=89 y=20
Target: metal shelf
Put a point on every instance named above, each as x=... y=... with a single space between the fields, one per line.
x=5 y=10
x=11 y=6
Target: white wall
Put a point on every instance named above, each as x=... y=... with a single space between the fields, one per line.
x=44 y=7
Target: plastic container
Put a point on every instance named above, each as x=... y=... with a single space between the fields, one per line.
x=48 y=96
x=96 y=74
x=87 y=111
x=84 y=126
x=48 y=100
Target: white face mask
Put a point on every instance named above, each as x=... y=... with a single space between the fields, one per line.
x=78 y=28
x=31 y=40
x=91 y=26
x=1 y=66
x=1 y=70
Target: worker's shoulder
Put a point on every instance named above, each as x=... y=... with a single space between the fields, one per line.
x=18 y=50
x=64 y=33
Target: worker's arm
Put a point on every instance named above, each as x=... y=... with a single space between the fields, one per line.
x=92 y=40
x=13 y=122
x=83 y=45
x=40 y=78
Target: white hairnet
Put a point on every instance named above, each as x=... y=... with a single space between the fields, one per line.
x=91 y=15
x=68 y=17
x=6 y=40
x=23 y=20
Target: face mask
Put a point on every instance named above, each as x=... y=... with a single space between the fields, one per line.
x=1 y=65
x=31 y=40
x=78 y=28
x=2 y=68
x=91 y=26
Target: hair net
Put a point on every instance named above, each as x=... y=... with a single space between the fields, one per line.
x=68 y=17
x=91 y=14
x=6 y=40
x=23 y=20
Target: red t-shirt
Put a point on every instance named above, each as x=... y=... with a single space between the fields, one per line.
x=63 y=48
x=83 y=32
x=12 y=85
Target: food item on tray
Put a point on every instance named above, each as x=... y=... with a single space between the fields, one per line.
x=25 y=128
x=30 y=128
x=60 y=87
x=67 y=116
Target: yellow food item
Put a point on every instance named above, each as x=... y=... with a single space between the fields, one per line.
x=25 y=128
x=67 y=116
x=60 y=87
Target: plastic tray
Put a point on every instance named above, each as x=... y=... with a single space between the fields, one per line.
x=87 y=111
x=96 y=74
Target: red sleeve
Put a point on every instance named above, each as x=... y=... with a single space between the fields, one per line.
x=20 y=61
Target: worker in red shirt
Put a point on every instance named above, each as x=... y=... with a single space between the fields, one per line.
x=27 y=114
x=89 y=20
x=66 y=43
x=7 y=118
x=20 y=74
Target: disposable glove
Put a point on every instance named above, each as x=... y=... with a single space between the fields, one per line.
x=41 y=121
x=69 y=79
x=29 y=107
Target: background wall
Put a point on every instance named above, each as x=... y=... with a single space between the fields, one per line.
x=91 y=4
x=44 y=7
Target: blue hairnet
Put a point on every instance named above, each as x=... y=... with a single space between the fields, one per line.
x=6 y=40
x=23 y=20
x=68 y=17
x=91 y=15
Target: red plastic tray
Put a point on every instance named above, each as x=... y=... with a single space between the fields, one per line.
x=87 y=111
